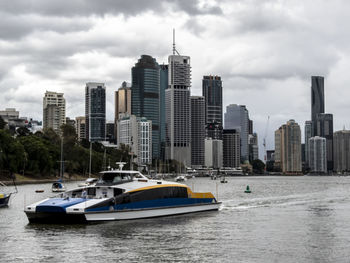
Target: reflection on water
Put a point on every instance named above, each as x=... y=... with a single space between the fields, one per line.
x=284 y=219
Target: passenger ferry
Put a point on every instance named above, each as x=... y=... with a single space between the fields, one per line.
x=120 y=195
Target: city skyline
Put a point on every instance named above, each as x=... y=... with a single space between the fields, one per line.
x=61 y=49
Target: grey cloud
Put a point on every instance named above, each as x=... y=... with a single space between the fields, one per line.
x=16 y=26
x=89 y=7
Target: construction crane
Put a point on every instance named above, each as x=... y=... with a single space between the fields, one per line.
x=264 y=140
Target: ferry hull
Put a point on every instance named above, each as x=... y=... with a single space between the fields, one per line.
x=149 y=213
x=76 y=218
x=55 y=218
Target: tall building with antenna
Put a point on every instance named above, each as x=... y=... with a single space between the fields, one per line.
x=178 y=108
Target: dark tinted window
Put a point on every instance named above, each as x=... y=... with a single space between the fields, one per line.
x=152 y=194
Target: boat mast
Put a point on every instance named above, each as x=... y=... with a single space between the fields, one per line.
x=90 y=160
x=61 y=162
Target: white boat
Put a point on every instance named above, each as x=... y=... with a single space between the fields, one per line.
x=88 y=182
x=121 y=195
x=180 y=178
x=58 y=187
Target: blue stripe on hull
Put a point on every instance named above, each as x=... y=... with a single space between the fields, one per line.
x=58 y=205
x=155 y=203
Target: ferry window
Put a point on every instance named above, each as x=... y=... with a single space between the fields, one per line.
x=91 y=191
x=117 y=179
x=117 y=191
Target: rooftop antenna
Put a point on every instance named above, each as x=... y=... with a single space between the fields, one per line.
x=174 y=49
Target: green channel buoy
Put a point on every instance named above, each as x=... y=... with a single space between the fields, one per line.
x=247 y=190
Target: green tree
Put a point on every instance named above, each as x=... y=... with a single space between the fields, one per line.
x=23 y=131
x=258 y=166
x=11 y=152
x=2 y=123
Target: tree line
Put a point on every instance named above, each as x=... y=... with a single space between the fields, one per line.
x=39 y=154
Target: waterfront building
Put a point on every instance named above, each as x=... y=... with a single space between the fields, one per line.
x=95 y=111
x=237 y=117
x=288 y=148
x=80 y=127
x=9 y=114
x=317 y=155
x=164 y=82
x=197 y=130
x=145 y=90
x=110 y=132
x=212 y=92
x=324 y=128
x=178 y=109
x=253 y=147
x=317 y=100
x=54 y=111
x=307 y=136
x=136 y=132
x=122 y=103
x=342 y=151
x=231 y=148
x=213 y=153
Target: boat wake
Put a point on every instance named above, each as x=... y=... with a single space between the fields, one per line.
x=278 y=201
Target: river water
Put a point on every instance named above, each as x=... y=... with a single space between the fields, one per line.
x=284 y=219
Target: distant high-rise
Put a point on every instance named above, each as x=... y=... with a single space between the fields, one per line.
x=324 y=128
x=178 y=109
x=212 y=91
x=122 y=103
x=164 y=82
x=197 y=130
x=231 y=148
x=342 y=151
x=307 y=135
x=317 y=100
x=213 y=153
x=288 y=148
x=253 y=147
x=145 y=90
x=317 y=154
x=80 y=127
x=95 y=111
x=237 y=117
x=54 y=110
x=136 y=132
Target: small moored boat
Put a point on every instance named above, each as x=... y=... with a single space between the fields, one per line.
x=58 y=187
x=121 y=195
x=4 y=199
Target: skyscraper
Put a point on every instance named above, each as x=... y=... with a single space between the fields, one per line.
x=307 y=135
x=324 y=128
x=213 y=153
x=212 y=91
x=317 y=99
x=95 y=111
x=80 y=127
x=178 y=109
x=342 y=151
x=288 y=148
x=122 y=103
x=237 y=117
x=136 y=132
x=317 y=155
x=231 y=148
x=164 y=82
x=253 y=147
x=197 y=130
x=54 y=110
x=145 y=90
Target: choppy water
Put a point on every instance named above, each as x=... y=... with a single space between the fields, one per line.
x=284 y=219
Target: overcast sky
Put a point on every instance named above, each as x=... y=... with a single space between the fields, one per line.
x=265 y=51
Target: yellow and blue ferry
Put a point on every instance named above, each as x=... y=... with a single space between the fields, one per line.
x=121 y=195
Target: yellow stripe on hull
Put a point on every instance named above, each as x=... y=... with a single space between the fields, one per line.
x=189 y=191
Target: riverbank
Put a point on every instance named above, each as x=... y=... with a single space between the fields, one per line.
x=26 y=179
